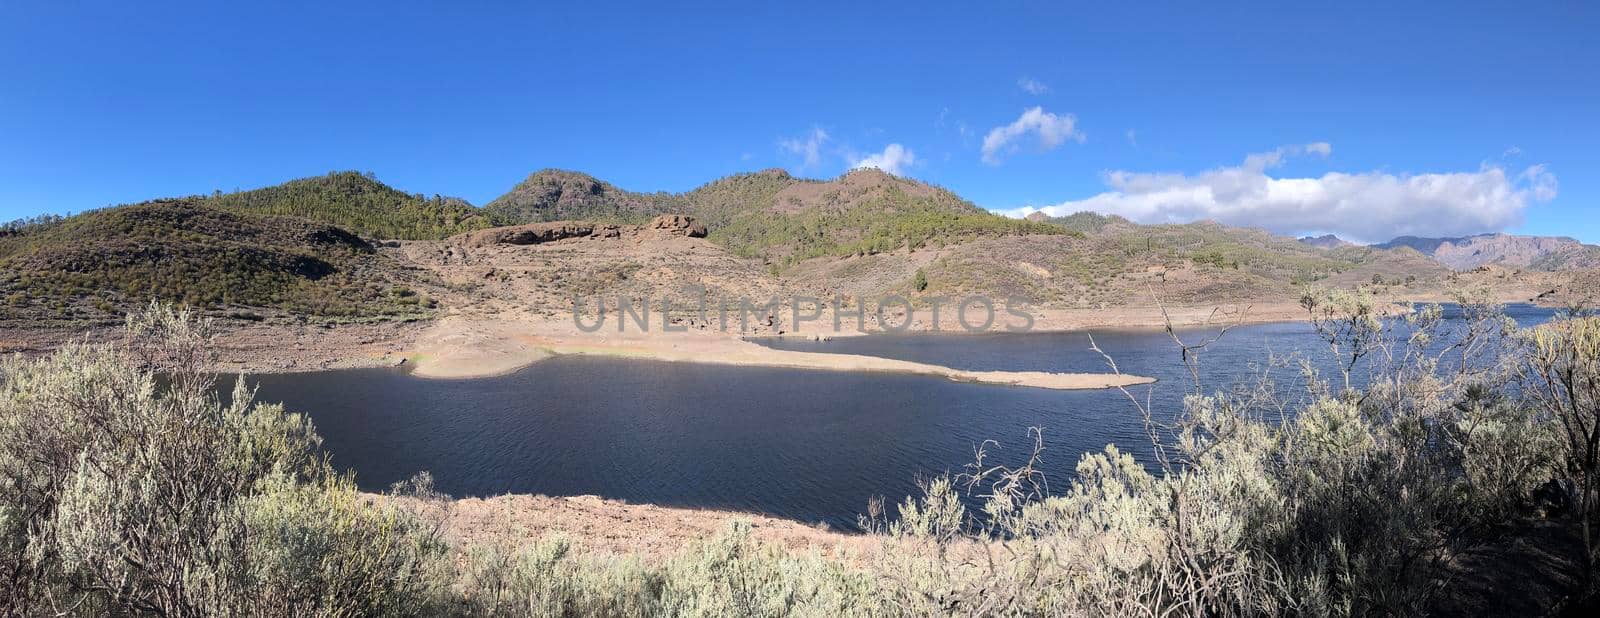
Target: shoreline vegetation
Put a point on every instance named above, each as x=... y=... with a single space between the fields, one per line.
x=1462 y=469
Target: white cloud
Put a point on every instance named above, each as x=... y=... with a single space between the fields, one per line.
x=809 y=148
x=1541 y=181
x=1262 y=161
x=1367 y=206
x=1052 y=130
x=1133 y=139
x=894 y=159
x=1032 y=86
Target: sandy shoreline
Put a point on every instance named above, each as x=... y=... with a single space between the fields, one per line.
x=465 y=346
x=470 y=347
x=446 y=357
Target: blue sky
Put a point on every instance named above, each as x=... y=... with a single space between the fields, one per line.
x=1366 y=120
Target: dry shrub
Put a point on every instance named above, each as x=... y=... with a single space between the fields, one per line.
x=1345 y=498
x=127 y=486
x=125 y=493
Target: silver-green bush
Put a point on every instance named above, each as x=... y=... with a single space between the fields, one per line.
x=128 y=487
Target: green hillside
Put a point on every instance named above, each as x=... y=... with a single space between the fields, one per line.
x=1215 y=245
x=361 y=204
x=861 y=213
x=720 y=201
x=1084 y=221
x=93 y=265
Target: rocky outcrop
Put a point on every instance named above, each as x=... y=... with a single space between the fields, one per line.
x=535 y=233
x=678 y=225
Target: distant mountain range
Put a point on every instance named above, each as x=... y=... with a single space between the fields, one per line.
x=1546 y=253
x=1533 y=252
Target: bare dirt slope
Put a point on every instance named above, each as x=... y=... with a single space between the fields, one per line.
x=668 y=259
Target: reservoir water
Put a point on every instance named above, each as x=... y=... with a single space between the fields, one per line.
x=809 y=445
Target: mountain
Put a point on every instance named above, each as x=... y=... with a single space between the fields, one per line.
x=96 y=264
x=863 y=212
x=561 y=195
x=1326 y=241
x=773 y=216
x=297 y=249
x=361 y=204
x=1533 y=252
x=718 y=202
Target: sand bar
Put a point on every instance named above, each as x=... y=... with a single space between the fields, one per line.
x=461 y=348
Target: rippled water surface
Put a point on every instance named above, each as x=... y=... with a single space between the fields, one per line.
x=810 y=445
